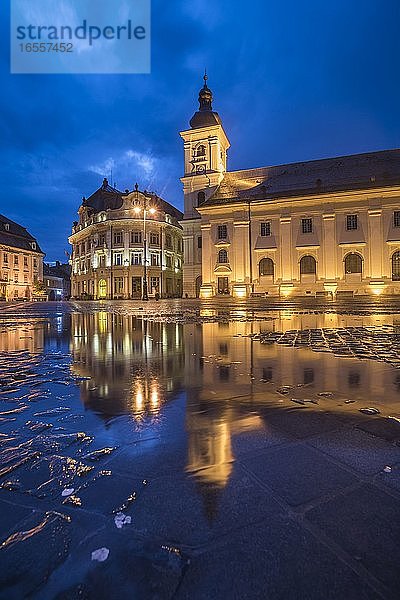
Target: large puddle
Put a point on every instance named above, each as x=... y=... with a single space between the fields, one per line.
x=86 y=398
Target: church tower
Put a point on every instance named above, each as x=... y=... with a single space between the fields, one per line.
x=205 y=148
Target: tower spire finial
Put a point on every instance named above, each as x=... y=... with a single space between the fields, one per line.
x=205 y=76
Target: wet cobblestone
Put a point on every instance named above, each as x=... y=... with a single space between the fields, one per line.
x=201 y=455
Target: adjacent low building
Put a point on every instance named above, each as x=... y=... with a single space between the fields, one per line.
x=322 y=227
x=21 y=262
x=126 y=245
x=57 y=279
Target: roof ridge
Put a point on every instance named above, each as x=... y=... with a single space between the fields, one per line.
x=315 y=160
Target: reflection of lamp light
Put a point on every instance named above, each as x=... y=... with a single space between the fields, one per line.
x=139 y=400
x=154 y=397
x=377 y=287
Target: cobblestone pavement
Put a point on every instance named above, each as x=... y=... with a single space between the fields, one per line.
x=200 y=450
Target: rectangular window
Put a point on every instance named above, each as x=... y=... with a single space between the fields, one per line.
x=118 y=238
x=25 y=278
x=136 y=258
x=396 y=218
x=16 y=262
x=265 y=229
x=154 y=239
x=15 y=277
x=351 y=222
x=136 y=285
x=154 y=260
x=102 y=239
x=154 y=283
x=199 y=242
x=118 y=259
x=306 y=225
x=118 y=285
x=222 y=232
x=35 y=263
x=168 y=261
x=5 y=258
x=102 y=261
x=25 y=261
x=136 y=237
x=168 y=241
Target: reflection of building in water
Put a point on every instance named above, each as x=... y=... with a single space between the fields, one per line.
x=231 y=379
x=133 y=365
x=212 y=417
x=27 y=336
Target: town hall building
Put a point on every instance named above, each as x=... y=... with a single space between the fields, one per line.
x=326 y=227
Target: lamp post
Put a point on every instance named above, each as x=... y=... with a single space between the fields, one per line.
x=151 y=211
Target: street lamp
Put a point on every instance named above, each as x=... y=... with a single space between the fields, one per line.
x=151 y=211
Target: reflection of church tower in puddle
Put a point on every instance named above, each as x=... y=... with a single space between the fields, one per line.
x=209 y=455
x=211 y=418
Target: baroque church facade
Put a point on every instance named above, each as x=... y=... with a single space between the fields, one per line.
x=326 y=227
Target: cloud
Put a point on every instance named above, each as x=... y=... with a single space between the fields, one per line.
x=128 y=164
x=146 y=162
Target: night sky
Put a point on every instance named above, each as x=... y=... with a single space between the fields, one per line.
x=292 y=80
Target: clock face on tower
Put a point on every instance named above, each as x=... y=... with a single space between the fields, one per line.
x=200 y=169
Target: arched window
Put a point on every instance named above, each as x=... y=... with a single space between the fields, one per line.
x=102 y=288
x=308 y=265
x=201 y=150
x=222 y=256
x=353 y=263
x=200 y=198
x=396 y=266
x=266 y=266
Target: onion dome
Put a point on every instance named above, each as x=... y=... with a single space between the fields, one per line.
x=205 y=116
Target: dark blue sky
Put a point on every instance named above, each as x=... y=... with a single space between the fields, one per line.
x=292 y=80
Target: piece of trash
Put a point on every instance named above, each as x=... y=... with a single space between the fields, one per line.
x=101 y=554
x=325 y=394
x=387 y=469
x=369 y=411
x=120 y=520
x=67 y=492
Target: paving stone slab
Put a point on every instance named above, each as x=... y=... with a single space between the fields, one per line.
x=253 y=441
x=150 y=458
x=273 y=560
x=193 y=510
x=29 y=557
x=382 y=427
x=362 y=451
x=298 y=474
x=132 y=570
x=10 y=516
x=305 y=422
x=106 y=492
x=366 y=524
